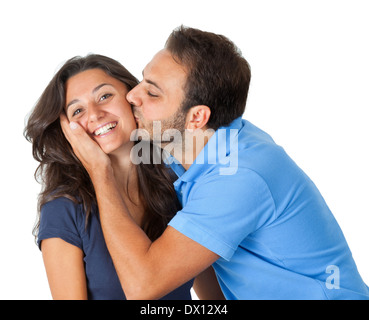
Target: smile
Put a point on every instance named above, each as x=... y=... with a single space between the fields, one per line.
x=105 y=129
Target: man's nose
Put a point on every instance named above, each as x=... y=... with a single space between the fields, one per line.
x=133 y=97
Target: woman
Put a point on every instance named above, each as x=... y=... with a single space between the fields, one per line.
x=91 y=91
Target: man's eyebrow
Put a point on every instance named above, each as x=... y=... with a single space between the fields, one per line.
x=154 y=84
x=151 y=82
x=93 y=91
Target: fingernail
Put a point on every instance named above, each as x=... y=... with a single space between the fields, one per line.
x=73 y=125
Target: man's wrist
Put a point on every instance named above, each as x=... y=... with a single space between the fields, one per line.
x=101 y=173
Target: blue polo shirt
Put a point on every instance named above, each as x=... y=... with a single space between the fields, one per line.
x=246 y=200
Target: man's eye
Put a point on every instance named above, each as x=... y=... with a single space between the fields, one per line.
x=151 y=94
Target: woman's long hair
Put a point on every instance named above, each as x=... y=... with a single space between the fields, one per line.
x=62 y=174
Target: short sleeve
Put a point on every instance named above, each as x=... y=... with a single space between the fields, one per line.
x=61 y=218
x=222 y=210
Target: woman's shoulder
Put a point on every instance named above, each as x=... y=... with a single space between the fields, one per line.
x=61 y=203
x=63 y=211
x=63 y=218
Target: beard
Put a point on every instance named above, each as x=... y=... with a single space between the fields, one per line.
x=163 y=131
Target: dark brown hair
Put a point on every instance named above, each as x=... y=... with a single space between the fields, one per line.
x=62 y=174
x=218 y=74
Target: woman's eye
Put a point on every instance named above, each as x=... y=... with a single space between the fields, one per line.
x=105 y=96
x=76 y=112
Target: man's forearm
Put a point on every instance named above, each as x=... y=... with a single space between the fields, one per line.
x=146 y=270
x=138 y=261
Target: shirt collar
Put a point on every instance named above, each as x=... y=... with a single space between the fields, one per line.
x=218 y=147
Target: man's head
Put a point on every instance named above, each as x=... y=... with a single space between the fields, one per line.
x=217 y=74
x=199 y=80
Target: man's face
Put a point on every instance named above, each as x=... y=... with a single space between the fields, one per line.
x=160 y=94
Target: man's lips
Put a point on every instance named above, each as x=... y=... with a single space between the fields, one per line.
x=137 y=118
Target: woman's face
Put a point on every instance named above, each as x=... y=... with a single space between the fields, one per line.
x=98 y=103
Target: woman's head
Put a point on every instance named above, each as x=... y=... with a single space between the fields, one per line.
x=97 y=101
x=43 y=128
x=59 y=170
x=82 y=84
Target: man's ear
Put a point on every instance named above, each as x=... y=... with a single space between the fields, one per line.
x=198 y=117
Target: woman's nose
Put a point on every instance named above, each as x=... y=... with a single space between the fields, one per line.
x=95 y=113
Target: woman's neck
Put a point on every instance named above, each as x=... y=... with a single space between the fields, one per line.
x=126 y=178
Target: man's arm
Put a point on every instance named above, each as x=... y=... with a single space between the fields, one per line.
x=147 y=270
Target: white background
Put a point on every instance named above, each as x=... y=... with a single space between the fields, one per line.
x=309 y=90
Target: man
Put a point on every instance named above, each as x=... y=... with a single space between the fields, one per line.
x=248 y=210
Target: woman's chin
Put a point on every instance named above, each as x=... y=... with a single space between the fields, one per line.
x=117 y=150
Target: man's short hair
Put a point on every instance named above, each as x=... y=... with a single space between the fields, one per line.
x=218 y=74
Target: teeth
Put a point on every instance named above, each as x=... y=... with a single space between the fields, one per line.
x=105 y=129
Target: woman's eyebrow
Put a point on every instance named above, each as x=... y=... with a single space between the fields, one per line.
x=70 y=103
x=93 y=91
x=100 y=86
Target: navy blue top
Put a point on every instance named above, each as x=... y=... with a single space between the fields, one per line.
x=61 y=218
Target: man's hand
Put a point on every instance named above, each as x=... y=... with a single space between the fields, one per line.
x=86 y=149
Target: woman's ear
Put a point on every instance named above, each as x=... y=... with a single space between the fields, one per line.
x=198 y=117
